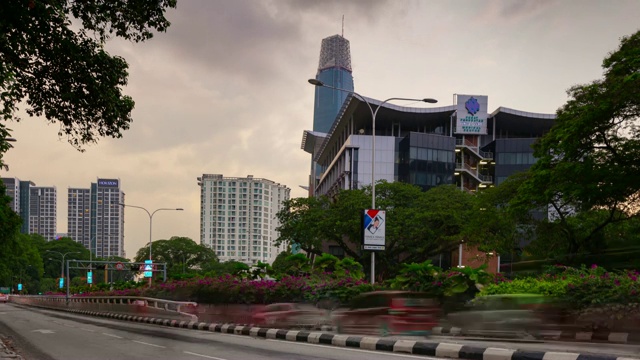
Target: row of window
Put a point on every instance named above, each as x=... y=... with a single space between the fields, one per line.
x=431 y=154
x=519 y=158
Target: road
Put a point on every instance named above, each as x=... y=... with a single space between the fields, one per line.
x=49 y=335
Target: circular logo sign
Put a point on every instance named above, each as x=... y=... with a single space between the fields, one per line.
x=119 y=266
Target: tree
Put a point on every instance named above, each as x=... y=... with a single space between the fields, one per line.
x=62 y=71
x=51 y=254
x=9 y=229
x=300 y=222
x=420 y=224
x=588 y=160
x=495 y=225
x=180 y=253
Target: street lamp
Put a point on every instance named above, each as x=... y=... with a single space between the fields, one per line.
x=319 y=83
x=151 y=222
x=63 y=256
x=151 y=219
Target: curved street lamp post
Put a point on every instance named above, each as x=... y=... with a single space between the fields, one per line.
x=151 y=223
x=62 y=264
x=319 y=83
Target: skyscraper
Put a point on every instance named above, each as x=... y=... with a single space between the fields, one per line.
x=96 y=218
x=238 y=217
x=334 y=69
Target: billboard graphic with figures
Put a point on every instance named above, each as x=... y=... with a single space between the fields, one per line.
x=373 y=229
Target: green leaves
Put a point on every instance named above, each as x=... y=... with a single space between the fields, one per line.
x=66 y=75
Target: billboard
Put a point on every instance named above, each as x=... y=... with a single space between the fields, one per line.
x=373 y=229
x=471 y=114
x=108 y=183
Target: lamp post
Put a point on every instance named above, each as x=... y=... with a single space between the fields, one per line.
x=151 y=222
x=63 y=256
x=374 y=113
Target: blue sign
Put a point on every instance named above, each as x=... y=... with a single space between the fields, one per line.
x=61 y=283
x=148 y=268
x=472 y=106
x=108 y=182
x=19 y=287
x=90 y=277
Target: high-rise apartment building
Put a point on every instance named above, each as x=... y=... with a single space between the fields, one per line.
x=42 y=211
x=96 y=218
x=238 y=217
x=334 y=69
x=35 y=205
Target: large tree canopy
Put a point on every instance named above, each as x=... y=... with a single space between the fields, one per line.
x=589 y=159
x=419 y=224
x=179 y=253
x=52 y=60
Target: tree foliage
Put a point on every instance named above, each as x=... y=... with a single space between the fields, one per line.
x=588 y=161
x=61 y=70
x=419 y=224
x=179 y=253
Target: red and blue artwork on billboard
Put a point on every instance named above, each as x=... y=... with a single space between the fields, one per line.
x=373 y=232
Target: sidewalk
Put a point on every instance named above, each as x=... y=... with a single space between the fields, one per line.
x=5 y=353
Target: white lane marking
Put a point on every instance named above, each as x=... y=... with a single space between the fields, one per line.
x=204 y=356
x=89 y=330
x=364 y=351
x=115 y=336
x=144 y=343
x=44 y=331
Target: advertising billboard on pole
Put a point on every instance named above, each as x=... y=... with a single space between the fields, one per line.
x=373 y=229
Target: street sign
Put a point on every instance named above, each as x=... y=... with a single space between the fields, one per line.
x=61 y=283
x=148 y=268
x=19 y=287
x=89 y=277
x=119 y=266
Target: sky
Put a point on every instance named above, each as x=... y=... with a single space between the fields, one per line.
x=224 y=90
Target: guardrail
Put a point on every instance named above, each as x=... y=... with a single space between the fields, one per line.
x=134 y=305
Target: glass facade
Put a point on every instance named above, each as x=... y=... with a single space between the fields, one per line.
x=427 y=160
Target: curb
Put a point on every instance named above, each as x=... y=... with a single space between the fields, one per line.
x=445 y=350
x=599 y=336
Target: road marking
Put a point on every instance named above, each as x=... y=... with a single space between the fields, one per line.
x=44 y=331
x=204 y=356
x=89 y=330
x=144 y=343
x=115 y=336
x=359 y=350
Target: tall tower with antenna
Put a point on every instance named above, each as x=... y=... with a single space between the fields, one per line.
x=334 y=69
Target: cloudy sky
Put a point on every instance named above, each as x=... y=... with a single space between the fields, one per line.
x=225 y=90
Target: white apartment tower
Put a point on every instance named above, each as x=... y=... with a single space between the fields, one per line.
x=96 y=218
x=238 y=217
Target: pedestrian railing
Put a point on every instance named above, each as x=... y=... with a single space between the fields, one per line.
x=129 y=305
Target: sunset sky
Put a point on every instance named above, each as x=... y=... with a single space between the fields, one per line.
x=225 y=90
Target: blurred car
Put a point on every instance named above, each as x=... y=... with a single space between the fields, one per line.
x=503 y=313
x=389 y=312
x=4 y=298
x=287 y=315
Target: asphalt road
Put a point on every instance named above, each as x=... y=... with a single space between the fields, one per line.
x=49 y=335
